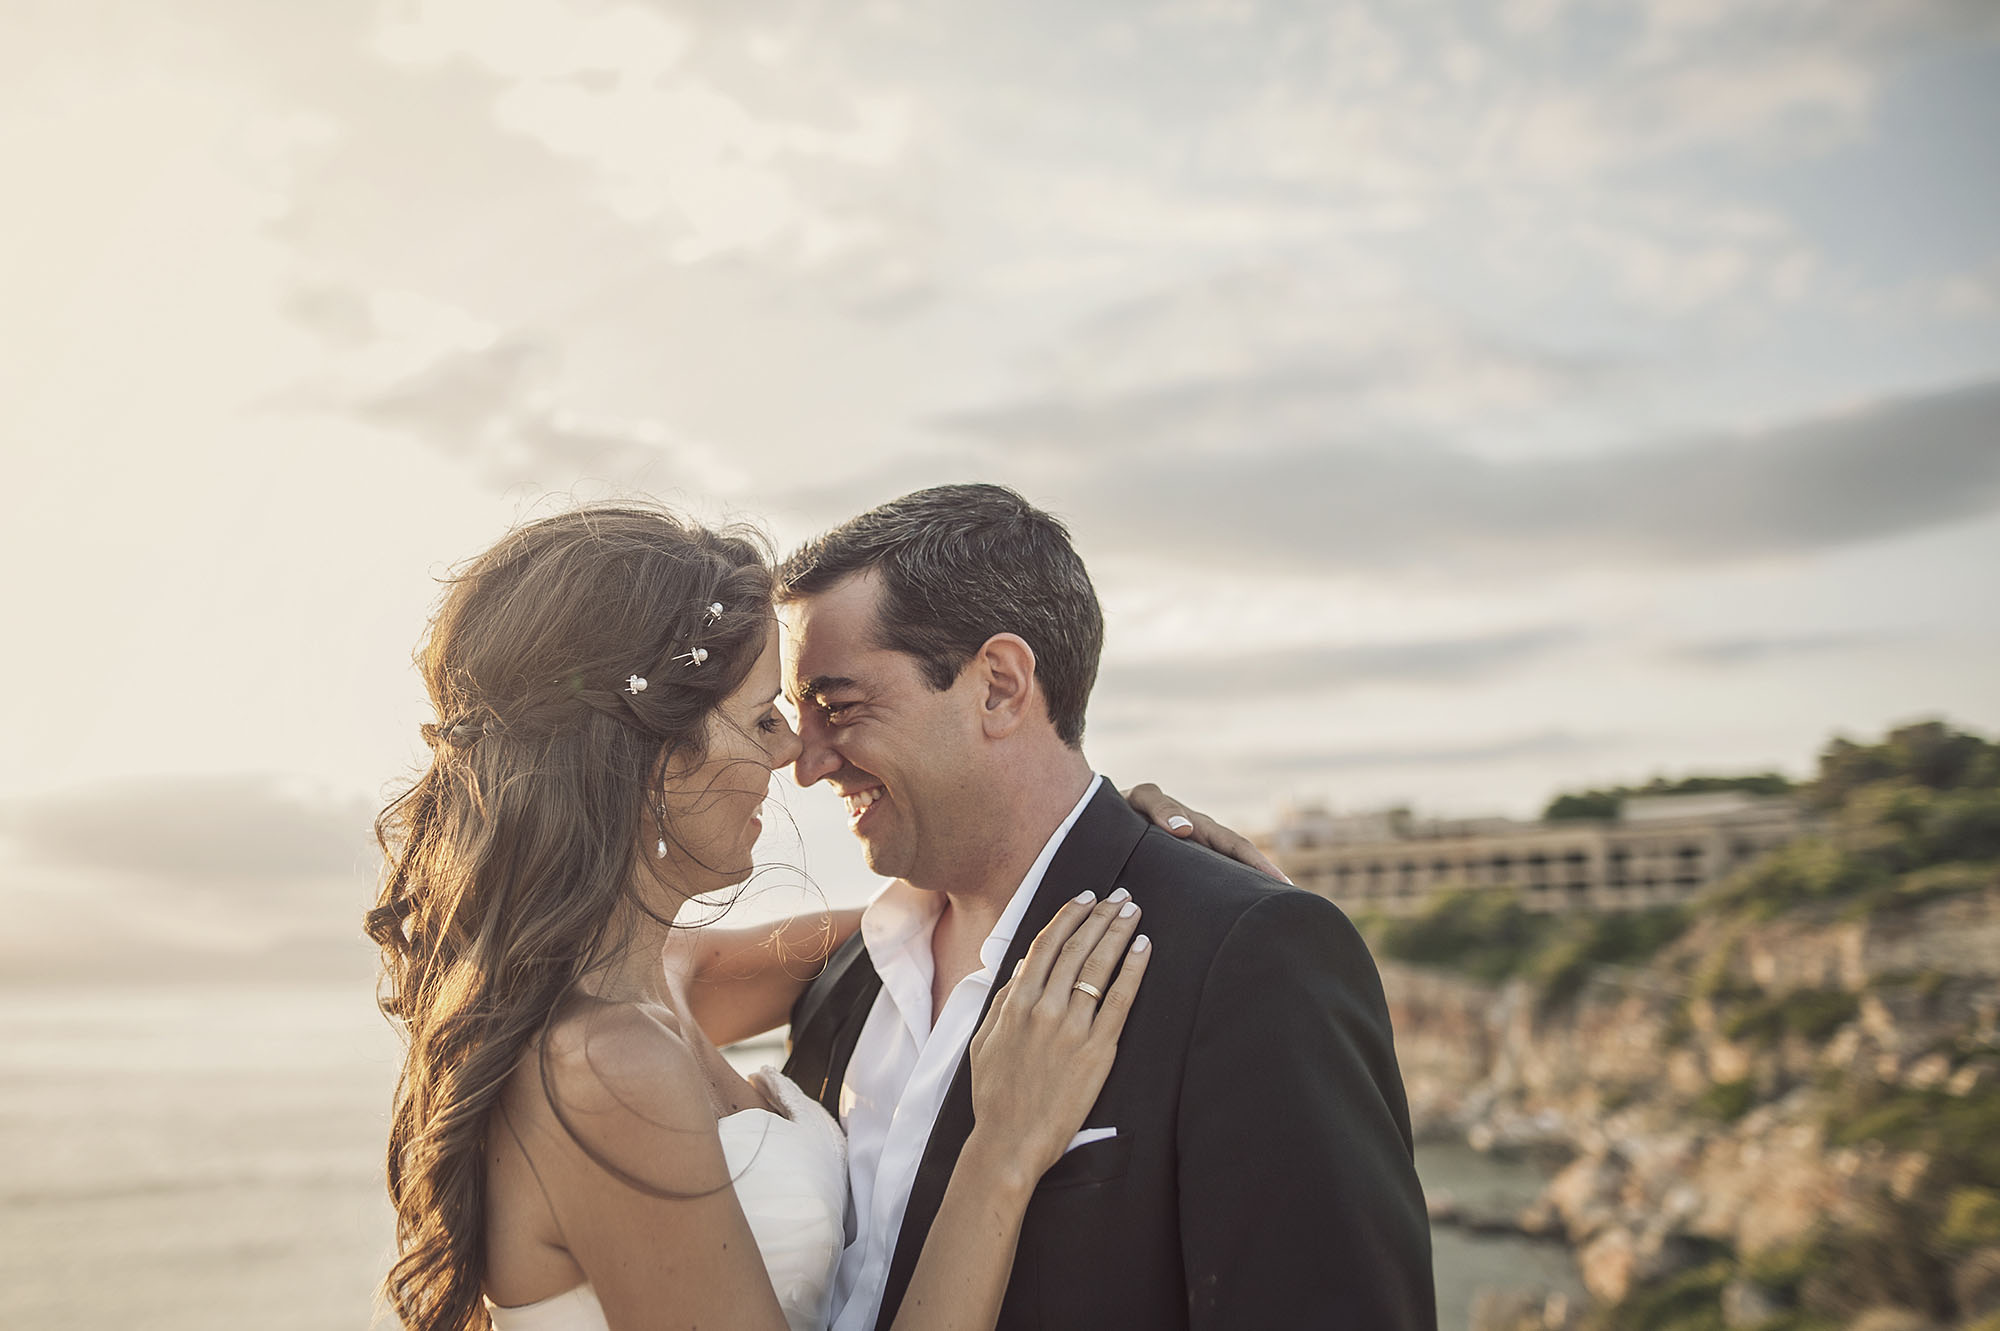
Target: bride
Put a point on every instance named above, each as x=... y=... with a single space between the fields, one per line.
x=569 y=1150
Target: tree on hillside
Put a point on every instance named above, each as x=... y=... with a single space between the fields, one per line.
x=1928 y=753
x=1606 y=803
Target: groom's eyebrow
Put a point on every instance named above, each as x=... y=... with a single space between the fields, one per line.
x=821 y=685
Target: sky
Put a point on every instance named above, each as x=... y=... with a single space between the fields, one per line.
x=1455 y=403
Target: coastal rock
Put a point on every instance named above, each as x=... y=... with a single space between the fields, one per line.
x=1728 y=1061
x=1978 y=1075
x=1891 y=1319
x=1608 y=1264
x=1928 y=1072
x=1618 y=1260
x=1686 y=1075
x=1586 y=1195
x=1975 y=1283
x=1908 y=1174
x=1746 y=1303
x=1845 y=1050
x=1761 y=1192
x=1521 y=1310
x=1658 y=1167
x=1794 y=955
x=1956 y=936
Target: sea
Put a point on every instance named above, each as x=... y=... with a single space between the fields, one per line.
x=191 y=1158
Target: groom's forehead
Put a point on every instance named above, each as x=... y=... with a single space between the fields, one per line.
x=840 y=618
x=829 y=635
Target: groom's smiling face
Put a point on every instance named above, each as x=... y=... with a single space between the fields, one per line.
x=902 y=755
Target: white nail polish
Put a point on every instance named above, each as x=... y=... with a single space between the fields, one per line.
x=1128 y=910
x=1176 y=823
x=1120 y=895
x=1141 y=943
x=1085 y=898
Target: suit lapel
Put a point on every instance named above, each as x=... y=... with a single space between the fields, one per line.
x=1090 y=857
x=826 y=1024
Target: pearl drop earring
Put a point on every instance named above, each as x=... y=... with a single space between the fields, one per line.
x=660 y=850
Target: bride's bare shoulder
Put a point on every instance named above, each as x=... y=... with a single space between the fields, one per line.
x=620 y=1082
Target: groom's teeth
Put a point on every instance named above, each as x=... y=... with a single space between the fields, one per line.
x=861 y=799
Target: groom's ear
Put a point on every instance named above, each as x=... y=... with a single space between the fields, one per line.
x=1005 y=669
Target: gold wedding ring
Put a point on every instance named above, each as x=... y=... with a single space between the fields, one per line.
x=1090 y=989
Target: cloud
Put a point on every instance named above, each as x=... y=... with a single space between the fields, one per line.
x=223 y=832
x=1739 y=651
x=1267 y=352
x=1309 y=497
x=1426 y=102
x=495 y=405
x=1538 y=744
x=1894 y=467
x=731 y=156
x=1323 y=668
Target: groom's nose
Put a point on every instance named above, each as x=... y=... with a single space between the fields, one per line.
x=817 y=759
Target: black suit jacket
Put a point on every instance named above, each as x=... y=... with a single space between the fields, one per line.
x=1262 y=1173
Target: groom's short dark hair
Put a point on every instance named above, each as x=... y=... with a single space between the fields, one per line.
x=960 y=563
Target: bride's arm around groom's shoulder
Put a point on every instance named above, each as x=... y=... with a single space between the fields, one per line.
x=741 y=982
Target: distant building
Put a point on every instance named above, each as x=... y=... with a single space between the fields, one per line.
x=1661 y=849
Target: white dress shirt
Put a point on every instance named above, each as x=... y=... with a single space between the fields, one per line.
x=903 y=1065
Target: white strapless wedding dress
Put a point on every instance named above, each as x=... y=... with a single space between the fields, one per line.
x=791 y=1180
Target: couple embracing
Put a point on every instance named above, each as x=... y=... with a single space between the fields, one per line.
x=1066 y=1070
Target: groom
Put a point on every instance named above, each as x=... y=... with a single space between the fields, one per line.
x=1248 y=1164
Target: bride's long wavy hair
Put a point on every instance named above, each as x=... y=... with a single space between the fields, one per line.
x=511 y=859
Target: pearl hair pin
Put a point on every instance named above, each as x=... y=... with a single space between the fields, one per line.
x=714 y=611
x=635 y=685
x=695 y=657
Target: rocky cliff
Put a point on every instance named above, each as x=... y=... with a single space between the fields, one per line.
x=1781 y=1122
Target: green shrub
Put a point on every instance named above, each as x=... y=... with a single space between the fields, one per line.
x=1815 y=1014
x=1759 y=1021
x=1564 y=963
x=1690 y=1301
x=1964 y=825
x=1960 y=1133
x=1491 y=936
x=1971 y=1218
x=1484 y=934
x=1810 y=1014
x=1801 y=1320
x=1606 y=803
x=1807 y=870
x=1781 y=1270
x=1714 y=977
x=1929 y=753
x=1728 y=1100
x=1895 y=1120
x=1945 y=880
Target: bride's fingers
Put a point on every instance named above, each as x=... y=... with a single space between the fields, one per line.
x=1102 y=961
x=1031 y=977
x=1193 y=825
x=1077 y=948
x=1236 y=846
x=1161 y=807
x=1225 y=841
x=1109 y=1022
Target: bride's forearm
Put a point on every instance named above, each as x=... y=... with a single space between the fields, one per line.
x=743 y=982
x=794 y=947
x=969 y=1253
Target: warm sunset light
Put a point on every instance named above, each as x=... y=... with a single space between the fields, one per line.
x=1456 y=407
